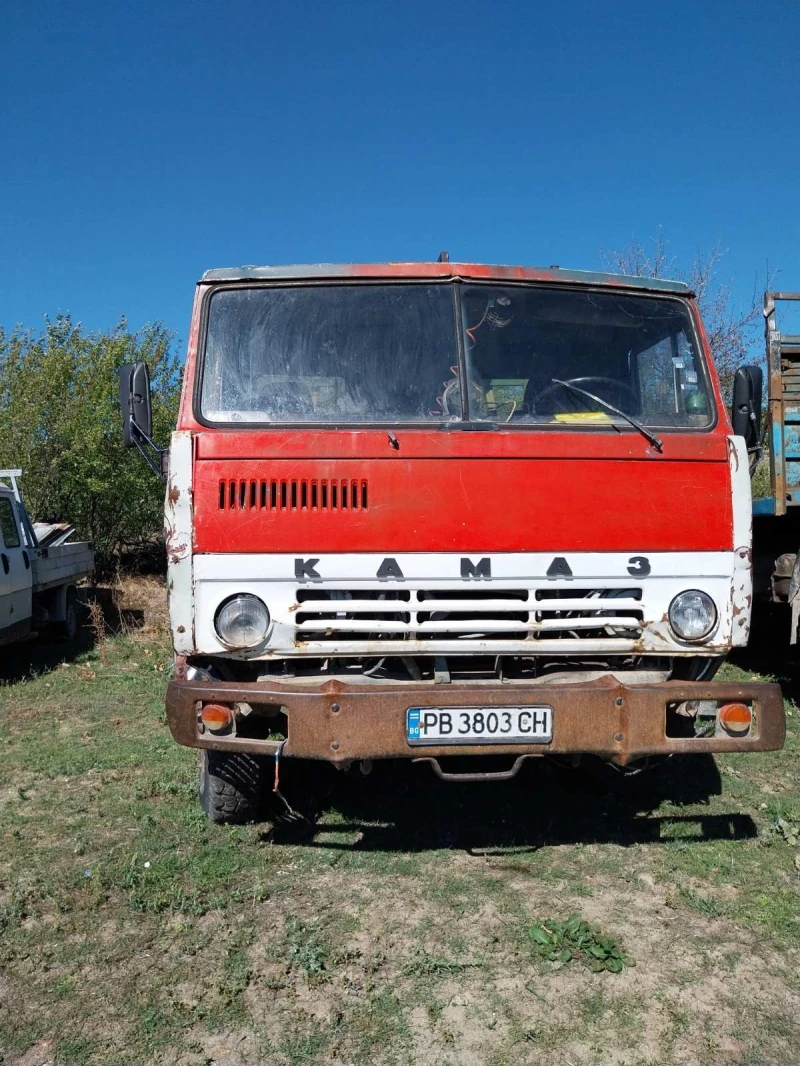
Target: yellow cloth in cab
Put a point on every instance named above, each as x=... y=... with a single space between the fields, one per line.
x=582 y=416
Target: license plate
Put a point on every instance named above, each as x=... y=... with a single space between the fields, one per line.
x=479 y=725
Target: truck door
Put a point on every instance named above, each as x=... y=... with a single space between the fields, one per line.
x=16 y=578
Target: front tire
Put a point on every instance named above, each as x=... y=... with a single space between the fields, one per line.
x=232 y=785
x=696 y=668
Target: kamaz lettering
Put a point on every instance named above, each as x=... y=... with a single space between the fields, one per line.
x=306 y=569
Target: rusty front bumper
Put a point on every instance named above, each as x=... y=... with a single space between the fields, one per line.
x=341 y=722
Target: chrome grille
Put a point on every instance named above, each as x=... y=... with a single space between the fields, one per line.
x=369 y=614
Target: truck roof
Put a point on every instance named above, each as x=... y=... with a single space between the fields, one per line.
x=444 y=270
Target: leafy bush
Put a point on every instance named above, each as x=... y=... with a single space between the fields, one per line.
x=60 y=422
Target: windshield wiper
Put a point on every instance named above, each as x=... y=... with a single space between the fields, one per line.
x=654 y=440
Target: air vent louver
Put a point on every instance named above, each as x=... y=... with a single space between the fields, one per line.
x=294 y=494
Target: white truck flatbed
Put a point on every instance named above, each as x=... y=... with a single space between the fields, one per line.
x=65 y=563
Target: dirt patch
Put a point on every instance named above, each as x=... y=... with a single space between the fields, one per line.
x=460 y=987
x=218 y=1049
x=42 y=1054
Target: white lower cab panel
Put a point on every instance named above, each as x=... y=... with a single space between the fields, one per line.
x=425 y=604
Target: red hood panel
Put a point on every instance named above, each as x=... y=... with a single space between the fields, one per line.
x=461 y=505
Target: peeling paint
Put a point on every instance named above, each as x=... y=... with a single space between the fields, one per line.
x=178 y=537
x=741 y=592
x=734 y=456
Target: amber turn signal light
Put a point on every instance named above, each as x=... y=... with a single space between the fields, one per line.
x=216 y=717
x=735 y=718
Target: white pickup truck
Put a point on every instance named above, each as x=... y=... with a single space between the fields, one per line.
x=39 y=570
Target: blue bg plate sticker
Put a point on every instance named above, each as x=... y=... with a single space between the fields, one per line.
x=412 y=724
x=479 y=725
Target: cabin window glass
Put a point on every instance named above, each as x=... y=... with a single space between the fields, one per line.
x=529 y=349
x=8 y=524
x=332 y=354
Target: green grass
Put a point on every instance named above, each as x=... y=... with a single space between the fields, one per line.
x=394 y=926
x=75 y=1051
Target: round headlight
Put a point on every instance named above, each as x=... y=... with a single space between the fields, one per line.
x=692 y=615
x=242 y=621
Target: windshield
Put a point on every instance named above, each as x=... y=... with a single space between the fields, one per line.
x=389 y=353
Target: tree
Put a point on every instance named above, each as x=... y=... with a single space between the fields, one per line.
x=60 y=422
x=731 y=330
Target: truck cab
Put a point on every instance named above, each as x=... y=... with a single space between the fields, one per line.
x=434 y=509
x=16 y=576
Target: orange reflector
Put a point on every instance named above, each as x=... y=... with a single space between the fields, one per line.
x=216 y=717
x=735 y=718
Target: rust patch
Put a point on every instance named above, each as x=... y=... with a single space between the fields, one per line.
x=748 y=600
x=174 y=494
x=734 y=455
x=177 y=549
x=642 y=644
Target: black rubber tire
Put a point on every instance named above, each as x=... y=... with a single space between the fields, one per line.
x=698 y=668
x=232 y=786
x=68 y=629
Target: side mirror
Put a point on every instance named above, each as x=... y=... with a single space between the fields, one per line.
x=746 y=407
x=134 y=398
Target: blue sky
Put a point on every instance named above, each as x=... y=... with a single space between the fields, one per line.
x=142 y=142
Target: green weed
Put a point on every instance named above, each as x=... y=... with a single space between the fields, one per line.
x=576 y=939
x=306 y=950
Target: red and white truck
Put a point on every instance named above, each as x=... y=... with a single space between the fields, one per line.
x=435 y=509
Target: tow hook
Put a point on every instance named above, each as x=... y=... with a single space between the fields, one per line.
x=496 y=775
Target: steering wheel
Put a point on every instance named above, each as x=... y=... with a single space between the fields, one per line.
x=619 y=386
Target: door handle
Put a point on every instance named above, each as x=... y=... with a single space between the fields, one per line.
x=6 y=565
